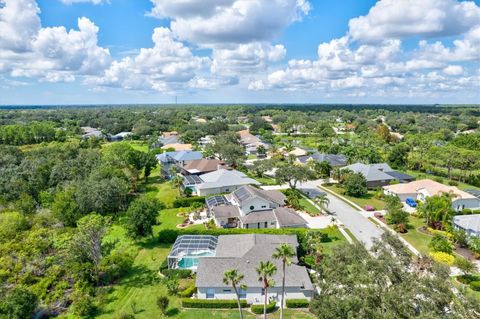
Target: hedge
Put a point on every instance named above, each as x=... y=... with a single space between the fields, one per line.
x=297 y=303
x=475 y=285
x=187 y=293
x=188 y=201
x=212 y=303
x=258 y=309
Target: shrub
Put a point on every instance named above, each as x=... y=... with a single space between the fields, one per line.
x=177 y=273
x=212 y=303
x=126 y=316
x=438 y=180
x=162 y=303
x=188 y=292
x=188 y=201
x=466 y=211
x=452 y=183
x=467 y=279
x=258 y=309
x=297 y=303
x=172 y=285
x=475 y=285
x=443 y=258
x=440 y=244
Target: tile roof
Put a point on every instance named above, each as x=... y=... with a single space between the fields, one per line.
x=178 y=146
x=432 y=187
x=203 y=165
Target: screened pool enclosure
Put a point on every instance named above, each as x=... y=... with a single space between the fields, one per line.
x=188 y=249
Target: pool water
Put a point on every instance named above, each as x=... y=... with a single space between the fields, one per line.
x=191 y=260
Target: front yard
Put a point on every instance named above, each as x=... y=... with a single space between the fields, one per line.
x=368 y=199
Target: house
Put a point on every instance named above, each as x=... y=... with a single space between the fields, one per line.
x=177 y=147
x=91 y=132
x=179 y=159
x=119 y=137
x=169 y=138
x=243 y=252
x=251 y=142
x=202 y=166
x=378 y=175
x=335 y=160
x=217 y=182
x=250 y=207
x=424 y=188
x=468 y=223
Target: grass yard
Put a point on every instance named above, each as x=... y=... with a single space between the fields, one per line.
x=418 y=239
x=309 y=207
x=368 y=199
x=337 y=239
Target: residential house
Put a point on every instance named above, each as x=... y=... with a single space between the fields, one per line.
x=470 y=224
x=424 y=188
x=251 y=142
x=177 y=147
x=169 y=138
x=335 y=160
x=217 y=182
x=202 y=166
x=91 y=132
x=378 y=175
x=250 y=207
x=243 y=252
x=168 y=160
x=119 y=137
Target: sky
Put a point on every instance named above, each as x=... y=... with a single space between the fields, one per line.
x=239 y=51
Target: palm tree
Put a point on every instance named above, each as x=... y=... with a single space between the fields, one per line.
x=265 y=271
x=233 y=277
x=285 y=252
x=323 y=201
x=177 y=182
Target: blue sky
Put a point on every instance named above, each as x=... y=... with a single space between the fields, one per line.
x=234 y=51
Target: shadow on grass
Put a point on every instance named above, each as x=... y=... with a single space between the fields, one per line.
x=172 y=312
x=140 y=276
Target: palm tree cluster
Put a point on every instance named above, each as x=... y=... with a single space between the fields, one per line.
x=265 y=270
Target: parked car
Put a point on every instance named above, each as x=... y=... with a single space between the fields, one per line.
x=369 y=208
x=411 y=202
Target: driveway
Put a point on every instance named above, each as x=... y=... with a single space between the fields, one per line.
x=360 y=226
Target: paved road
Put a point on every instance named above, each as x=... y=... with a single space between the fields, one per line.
x=360 y=226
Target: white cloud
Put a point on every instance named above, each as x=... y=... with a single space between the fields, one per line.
x=398 y=19
x=453 y=70
x=80 y=1
x=51 y=54
x=169 y=65
x=229 y=21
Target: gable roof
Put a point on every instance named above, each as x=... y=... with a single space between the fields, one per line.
x=203 y=165
x=370 y=172
x=433 y=188
x=287 y=217
x=333 y=159
x=223 y=178
x=248 y=138
x=400 y=176
x=179 y=156
x=248 y=192
x=243 y=252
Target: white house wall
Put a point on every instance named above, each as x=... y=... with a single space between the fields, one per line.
x=254 y=294
x=257 y=203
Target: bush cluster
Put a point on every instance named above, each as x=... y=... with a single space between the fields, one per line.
x=188 y=201
x=188 y=292
x=258 y=309
x=176 y=273
x=443 y=258
x=475 y=285
x=212 y=303
x=297 y=303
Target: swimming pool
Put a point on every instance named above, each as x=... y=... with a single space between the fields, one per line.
x=190 y=261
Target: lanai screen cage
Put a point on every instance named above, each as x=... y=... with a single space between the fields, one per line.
x=188 y=249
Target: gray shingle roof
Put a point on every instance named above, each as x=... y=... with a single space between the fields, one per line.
x=287 y=217
x=180 y=156
x=226 y=211
x=468 y=222
x=248 y=192
x=370 y=172
x=259 y=217
x=400 y=176
x=333 y=159
x=223 y=178
x=244 y=252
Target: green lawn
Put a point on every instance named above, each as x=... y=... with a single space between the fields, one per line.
x=308 y=207
x=337 y=239
x=368 y=199
x=418 y=239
